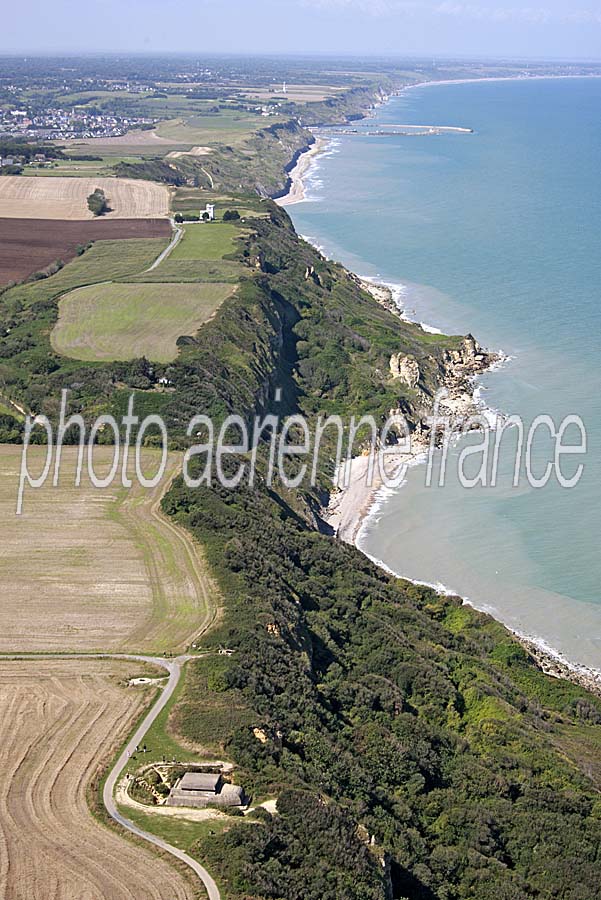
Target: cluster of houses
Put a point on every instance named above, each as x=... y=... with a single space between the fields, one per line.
x=62 y=124
x=15 y=159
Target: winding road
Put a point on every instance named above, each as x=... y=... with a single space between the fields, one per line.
x=174 y=669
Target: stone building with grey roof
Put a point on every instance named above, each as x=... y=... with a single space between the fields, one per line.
x=200 y=789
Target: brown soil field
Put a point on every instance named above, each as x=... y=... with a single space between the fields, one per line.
x=66 y=198
x=61 y=718
x=30 y=245
x=85 y=568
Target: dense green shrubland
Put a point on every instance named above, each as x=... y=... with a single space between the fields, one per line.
x=416 y=748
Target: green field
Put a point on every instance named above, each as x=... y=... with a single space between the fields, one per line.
x=177 y=830
x=187 y=199
x=192 y=270
x=108 y=322
x=79 y=168
x=206 y=240
x=228 y=126
x=103 y=261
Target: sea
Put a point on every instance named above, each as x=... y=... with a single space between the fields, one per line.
x=496 y=232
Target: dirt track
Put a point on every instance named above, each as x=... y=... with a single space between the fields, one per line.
x=66 y=198
x=65 y=716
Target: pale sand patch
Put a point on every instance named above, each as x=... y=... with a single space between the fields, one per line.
x=296 y=192
x=195 y=151
x=62 y=719
x=66 y=198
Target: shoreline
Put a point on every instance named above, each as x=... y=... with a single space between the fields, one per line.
x=296 y=191
x=350 y=508
x=352 y=505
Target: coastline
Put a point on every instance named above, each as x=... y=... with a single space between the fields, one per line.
x=352 y=505
x=350 y=508
x=296 y=191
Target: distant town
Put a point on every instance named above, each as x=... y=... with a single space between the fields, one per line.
x=64 y=124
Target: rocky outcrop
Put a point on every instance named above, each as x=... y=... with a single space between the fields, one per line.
x=469 y=356
x=405 y=368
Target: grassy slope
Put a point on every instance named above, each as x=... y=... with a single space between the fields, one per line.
x=28 y=313
x=382 y=704
x=127 y=321
x=206 y=240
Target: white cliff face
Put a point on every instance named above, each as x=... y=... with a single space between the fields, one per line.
x=405 y=368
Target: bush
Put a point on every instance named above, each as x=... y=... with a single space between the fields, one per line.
x=230 y=215
x=97 y=202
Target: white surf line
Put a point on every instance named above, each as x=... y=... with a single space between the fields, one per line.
x=174 y=668
x=169 y=249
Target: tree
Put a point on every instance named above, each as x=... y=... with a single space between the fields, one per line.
x=97 y=202
x=231 y=215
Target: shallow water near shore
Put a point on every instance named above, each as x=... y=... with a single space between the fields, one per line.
x=497 y=233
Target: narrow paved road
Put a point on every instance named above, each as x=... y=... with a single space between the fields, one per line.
x=174 y=668
x=167 y=251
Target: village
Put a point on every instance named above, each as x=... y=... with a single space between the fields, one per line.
x=65 y=124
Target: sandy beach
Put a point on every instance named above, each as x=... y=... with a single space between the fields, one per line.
x=296 y=193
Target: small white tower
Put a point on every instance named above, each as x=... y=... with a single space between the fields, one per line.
x=209 y=211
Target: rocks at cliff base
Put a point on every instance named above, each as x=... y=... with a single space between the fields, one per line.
x=469 y=355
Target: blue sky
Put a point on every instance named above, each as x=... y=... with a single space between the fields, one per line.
x=549 y=28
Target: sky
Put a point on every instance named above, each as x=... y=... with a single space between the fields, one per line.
x=552 y=29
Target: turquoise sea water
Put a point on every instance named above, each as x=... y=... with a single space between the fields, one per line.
x=497 y=233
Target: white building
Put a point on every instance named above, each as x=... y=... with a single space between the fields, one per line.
x=209 y=211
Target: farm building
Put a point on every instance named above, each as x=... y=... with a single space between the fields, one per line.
x=200 y=789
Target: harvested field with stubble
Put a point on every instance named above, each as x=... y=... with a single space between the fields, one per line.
x=66 y=198
x=107 y=322
x=62 y=719
x=28 y=245
x=89 y=569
